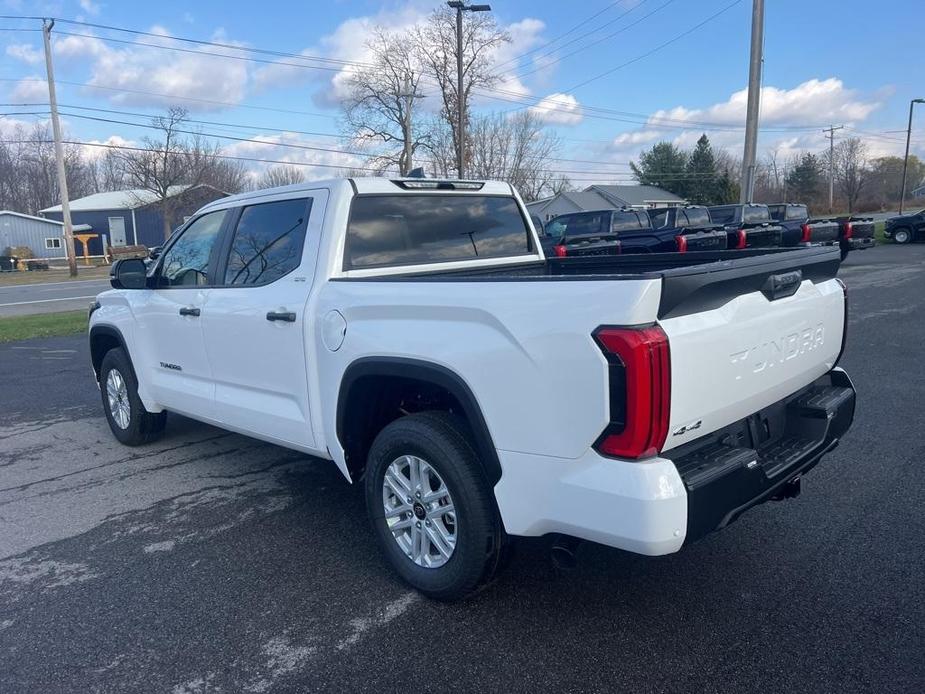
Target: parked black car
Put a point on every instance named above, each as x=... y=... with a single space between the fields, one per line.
x=609 y=232
x=855 y=234
x=800 y=229
x=748 y=225
x=906 y=228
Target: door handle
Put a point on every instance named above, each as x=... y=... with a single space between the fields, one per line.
x=286 y=316
x=189 y=312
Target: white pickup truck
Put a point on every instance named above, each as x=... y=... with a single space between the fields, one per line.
x=412 y=332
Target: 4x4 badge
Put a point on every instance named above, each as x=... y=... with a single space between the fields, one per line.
x=687 y=427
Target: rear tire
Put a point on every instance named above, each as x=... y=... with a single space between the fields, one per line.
x=902 y=236
x=440 y=441
x=128 y=419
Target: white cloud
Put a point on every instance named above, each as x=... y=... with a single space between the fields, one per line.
x=637 y=137
x=90 y=7
x=814 y=101
x=278 y=147
x=347 y=43
x=558 y=109
x=30 y=89
x=91 y=152
x=25 y=52
x=149 y=71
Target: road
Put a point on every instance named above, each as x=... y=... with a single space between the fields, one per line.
x=212 y=562
x=24 y=299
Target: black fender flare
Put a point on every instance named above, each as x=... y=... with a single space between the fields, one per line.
x=111 y=331
x=434 y=374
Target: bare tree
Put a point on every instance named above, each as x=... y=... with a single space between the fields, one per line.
x=437 y=49
x=164 y=164
x=280 y=175
x=517 y=150
x=380 y=109
x=851 y=169
x=28 y=179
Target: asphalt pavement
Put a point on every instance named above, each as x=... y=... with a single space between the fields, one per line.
x=49 y=297
x=212 y=562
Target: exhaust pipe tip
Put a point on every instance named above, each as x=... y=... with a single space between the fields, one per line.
x=564 y=552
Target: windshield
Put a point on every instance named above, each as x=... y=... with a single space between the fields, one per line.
x=432 y=228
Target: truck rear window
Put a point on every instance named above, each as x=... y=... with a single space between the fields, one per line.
x=417 y=229
x=629 y=221
x=693 y=217
x=756 y=213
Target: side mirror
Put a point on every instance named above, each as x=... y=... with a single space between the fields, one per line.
x=154 y=253
x=129 y=273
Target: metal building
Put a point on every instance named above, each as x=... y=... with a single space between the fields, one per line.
x=45 y=237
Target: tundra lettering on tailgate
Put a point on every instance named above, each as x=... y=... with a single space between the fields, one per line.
x=768 y=354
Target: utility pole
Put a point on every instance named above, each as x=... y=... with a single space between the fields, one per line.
x=461 y=7
x=831 y=135
x=902 y=194
x=754 y=103
x=47 y=25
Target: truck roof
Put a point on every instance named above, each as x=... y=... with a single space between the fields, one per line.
x=374 y=185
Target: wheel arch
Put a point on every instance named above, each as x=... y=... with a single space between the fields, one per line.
x=104 y=337
x=366 y=403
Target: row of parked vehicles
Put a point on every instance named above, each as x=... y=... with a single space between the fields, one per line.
x=691 y=228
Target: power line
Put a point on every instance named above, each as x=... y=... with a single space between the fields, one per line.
x=586 y=46
x=594 y=16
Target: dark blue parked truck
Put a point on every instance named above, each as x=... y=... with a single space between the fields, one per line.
x=748 y=226
x=623 y=231
x=802 y=230
x=855 y=233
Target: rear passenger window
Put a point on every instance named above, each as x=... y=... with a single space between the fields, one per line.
x=722 y=215
x=267 y=242
x=432 y=228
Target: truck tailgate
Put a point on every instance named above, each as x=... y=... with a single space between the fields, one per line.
x=824 y=231
x=736 y=349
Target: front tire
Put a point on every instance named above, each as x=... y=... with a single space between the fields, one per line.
x=902 y=236
x=431 y=507
x=128 y=419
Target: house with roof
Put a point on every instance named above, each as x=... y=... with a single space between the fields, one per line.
x=44 y=237
x=132 y=217
x=603 y=197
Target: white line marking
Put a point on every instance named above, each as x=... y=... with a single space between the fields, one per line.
x=45 y=301
x=52 y=284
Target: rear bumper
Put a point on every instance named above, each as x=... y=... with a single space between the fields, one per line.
x=857 y=244
x=657 y=506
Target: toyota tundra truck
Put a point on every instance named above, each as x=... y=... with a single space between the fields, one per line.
x=413 y=333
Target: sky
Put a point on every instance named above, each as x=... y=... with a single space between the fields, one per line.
x=608 y=78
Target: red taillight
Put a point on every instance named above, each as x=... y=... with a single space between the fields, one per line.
x=741 y=238
x=849 y=230
x=806 y=233
x=560 y=251
x=682 y=243
x=640 y=385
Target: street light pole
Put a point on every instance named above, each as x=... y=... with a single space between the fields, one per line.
x=902 y=194
x=461 y=7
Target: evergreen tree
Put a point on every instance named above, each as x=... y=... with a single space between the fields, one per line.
x=662 y=166
x=702 y=180
x=805 y=179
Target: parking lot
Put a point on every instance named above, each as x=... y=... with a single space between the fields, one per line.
x=212 y=562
